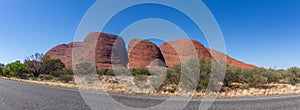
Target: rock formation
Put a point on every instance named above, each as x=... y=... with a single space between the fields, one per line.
x=143 y=53
x=62 y=52
x=182 y=50
x=105 y=50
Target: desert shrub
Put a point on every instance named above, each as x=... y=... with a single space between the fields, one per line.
x=49 y=65
x=190 y=74
x=157 y=79
x=245 y=75
x=140 y=80
x=64 y=75
x=253 y=77
x=259 y=76
x=140 y=71
x=203 y=84
x=196 y=73
x=46 y=77
x=102 y=72
x=122 y=72
x=173 y=75
x=106 y=72
x=16 y=69
x=295 y=71
x=257 y=81
x=232 y=75
x=133 y=72
x=290 y=78
x=66 y=78
x=208 y=80
x=56 y=73
x=84 y=68
x=272 y=75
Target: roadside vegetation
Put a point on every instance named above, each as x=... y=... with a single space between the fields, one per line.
x=38 y=67
x=249 y=78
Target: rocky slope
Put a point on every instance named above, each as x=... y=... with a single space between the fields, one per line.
x=219 y=56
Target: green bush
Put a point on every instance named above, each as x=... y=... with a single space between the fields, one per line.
x=253 y=77
x=140 y=80
x=295 y=71
x=209 y=76
x=290 y=78
x=173 y=75
x=141 y=71
x=66 y=78
x=84 y=68
x=194 y=74
x=257 y=81
x=106 y=72
x=15 y=69
x=46 y=77
x=49 y=65
x=232 y=75
x=157 y=79
x=272 y=76
x=64 y=75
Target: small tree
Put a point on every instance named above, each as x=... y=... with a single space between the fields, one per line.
x=34 y=64
x=35 y=57
x=190 y=74
x=34 y=67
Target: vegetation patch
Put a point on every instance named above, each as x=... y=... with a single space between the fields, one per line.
x=184 y=76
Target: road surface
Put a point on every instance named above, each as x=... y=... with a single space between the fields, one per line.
x=24 y=96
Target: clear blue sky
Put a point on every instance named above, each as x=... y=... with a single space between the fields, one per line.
x=261 y=32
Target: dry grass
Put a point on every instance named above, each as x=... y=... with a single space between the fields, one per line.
x=49 y=83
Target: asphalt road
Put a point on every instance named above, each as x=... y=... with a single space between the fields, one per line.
x=24 y=96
